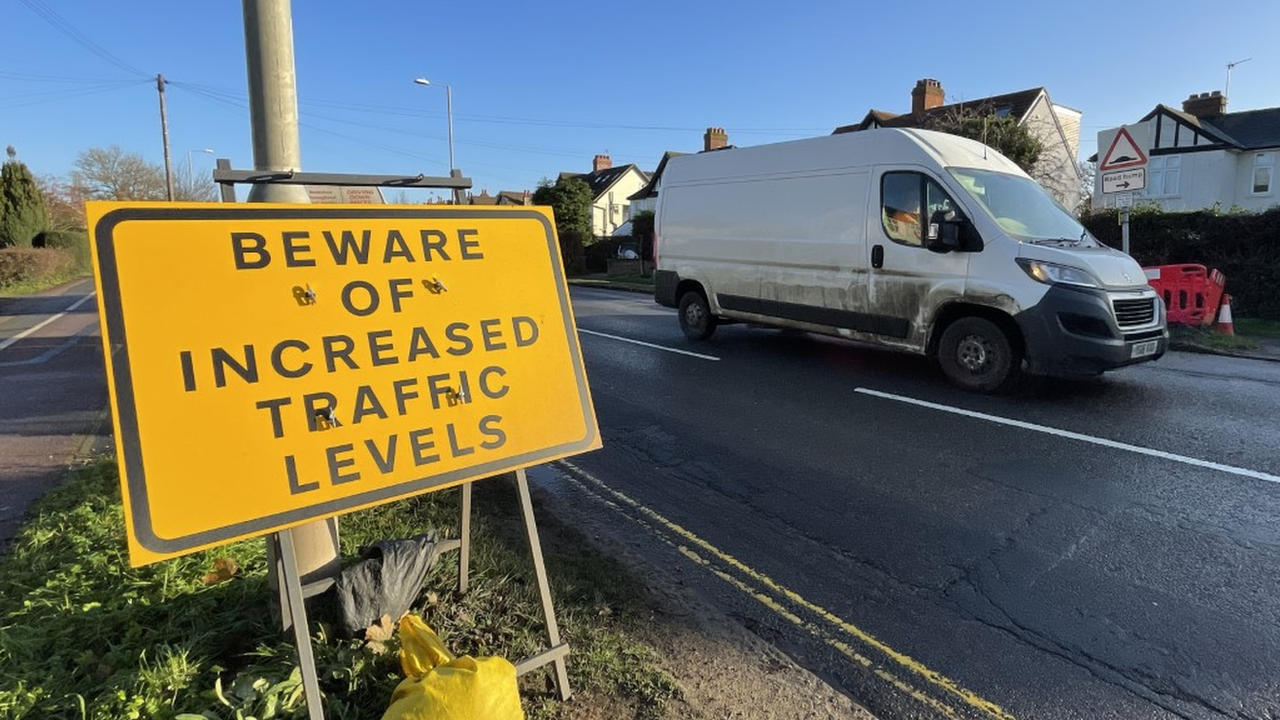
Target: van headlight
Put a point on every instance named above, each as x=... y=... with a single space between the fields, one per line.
x=1051 y=274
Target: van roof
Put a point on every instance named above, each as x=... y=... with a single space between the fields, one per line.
x=835 y=152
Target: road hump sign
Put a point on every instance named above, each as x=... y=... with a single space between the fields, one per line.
x=1124 y=181
x=1124 y=152
x=270 y=365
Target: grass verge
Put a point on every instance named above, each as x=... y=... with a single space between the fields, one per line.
x=83 y=635
x=1190 y=338
x=32 y=286
x=1258 y=327
x=629 y=282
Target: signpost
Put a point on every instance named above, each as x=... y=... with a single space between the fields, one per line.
x=1123 y=166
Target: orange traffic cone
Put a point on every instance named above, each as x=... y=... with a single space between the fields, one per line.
x=1225 y=325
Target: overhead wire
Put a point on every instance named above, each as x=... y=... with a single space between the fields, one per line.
x=33 y=77
x=64 y=26
x=507 y=120
x=30 y=99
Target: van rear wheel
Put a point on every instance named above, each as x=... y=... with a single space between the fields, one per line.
x=696 y=320
x=977 y=355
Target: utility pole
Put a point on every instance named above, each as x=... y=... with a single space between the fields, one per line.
x=164 y=131
x=303 y=557
x=273 y=97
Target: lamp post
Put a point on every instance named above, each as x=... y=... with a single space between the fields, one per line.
x=448 y=99
x=191 y=168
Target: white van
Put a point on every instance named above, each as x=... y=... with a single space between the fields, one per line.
x=827 y=235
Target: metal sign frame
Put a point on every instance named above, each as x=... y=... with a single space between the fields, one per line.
x=280 y=545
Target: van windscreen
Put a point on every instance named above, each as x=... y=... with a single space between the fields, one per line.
x=1021 y=207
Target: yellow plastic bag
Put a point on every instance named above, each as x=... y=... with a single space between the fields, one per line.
x=438 y=686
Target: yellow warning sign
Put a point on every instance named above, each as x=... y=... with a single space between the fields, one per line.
x=275 y=364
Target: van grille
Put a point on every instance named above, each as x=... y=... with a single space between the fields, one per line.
x=1135 y=313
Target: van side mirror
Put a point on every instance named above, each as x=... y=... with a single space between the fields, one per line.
x=944 y=231
x=949 y=231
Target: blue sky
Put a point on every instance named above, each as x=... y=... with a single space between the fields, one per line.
x=540 y=88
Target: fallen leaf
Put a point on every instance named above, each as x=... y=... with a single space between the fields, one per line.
x=377 y=634
x=223 y=570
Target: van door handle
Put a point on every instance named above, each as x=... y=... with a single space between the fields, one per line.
x=877 y=256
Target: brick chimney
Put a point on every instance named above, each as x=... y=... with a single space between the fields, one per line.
x=714 y=139
x=602 y=162
x=927 y=95
x=1205 y=104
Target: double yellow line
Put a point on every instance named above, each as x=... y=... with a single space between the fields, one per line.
x=768 y=591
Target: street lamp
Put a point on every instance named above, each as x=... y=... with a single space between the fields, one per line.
x=190 y=167
x=448 y=99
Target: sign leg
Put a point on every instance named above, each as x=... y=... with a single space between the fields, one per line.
x=292 y=587
x=544 y=587
x=464 y=550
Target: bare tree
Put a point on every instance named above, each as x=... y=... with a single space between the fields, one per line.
x=64 y=203
x=1088 y=171
x=113 y=174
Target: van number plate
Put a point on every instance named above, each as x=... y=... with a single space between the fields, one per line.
x=1144 y=349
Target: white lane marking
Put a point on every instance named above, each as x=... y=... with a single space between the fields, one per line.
x=650 y=345
x=1245 y=472
x=30 y=330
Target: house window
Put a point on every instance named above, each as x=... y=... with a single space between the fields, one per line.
x=1162 y=175
x=1264 y=167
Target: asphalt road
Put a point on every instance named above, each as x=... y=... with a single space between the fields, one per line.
x=1105 y=549
x=53 y=392
x=1085 y=550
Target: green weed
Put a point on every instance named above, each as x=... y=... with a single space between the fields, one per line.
x=84 y=636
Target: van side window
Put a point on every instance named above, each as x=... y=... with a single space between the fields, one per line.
x=901 y=194
x=900 y=212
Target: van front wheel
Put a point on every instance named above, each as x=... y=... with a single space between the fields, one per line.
x=977 y=355
x=696 y=319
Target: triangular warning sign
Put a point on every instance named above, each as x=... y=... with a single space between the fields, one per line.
x=1123 y=153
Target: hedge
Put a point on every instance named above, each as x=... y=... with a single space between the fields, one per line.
x=73 y=241
x=34 y=265
x=1245 y=247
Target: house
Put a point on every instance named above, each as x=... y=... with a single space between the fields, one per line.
x=1056 y=126
x=509 y=197
x=484 y=198
x=1203 y=156
x=610 y=188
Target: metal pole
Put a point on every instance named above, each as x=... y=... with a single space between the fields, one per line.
x=464 y=534
x=544 y=585
x=273 y=109
x=273 y=98
x=164 y=132
x=448 y=110
x=1124 y=232
x=284 y=545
